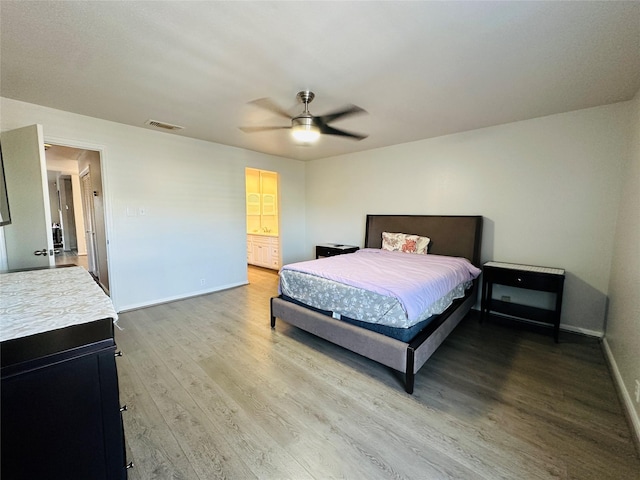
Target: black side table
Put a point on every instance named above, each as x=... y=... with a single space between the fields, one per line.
x=545 y=279
x=332 y=249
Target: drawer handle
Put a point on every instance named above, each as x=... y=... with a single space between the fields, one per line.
x=129 y=466
x=123 y=408
x=519 y=279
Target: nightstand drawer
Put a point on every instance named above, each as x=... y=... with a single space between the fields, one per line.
x=332 y=249
x=529 y=280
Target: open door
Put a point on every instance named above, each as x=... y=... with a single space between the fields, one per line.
x=28 y=237
x=89 y=223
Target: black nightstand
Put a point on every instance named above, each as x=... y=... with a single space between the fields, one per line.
x=543 y=279
x=332 y=249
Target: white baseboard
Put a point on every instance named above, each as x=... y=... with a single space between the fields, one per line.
x=160 y=301
x=563 y=327
x=582 y=331
x=627 y=401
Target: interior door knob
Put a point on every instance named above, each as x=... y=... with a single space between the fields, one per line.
x=42 y=252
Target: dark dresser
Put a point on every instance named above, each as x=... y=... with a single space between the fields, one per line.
x=60 y=415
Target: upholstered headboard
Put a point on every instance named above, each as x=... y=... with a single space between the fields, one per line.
x=452 y=235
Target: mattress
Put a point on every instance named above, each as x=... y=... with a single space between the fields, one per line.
x=390 y=289
x=38 y=301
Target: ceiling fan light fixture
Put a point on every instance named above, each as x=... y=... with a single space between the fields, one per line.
x=304 y=130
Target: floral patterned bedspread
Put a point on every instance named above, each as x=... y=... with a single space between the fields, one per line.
x=395 y=289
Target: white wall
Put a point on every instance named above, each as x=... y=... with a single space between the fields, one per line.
x=623 y=322
x=548 y=189
x=192 y=194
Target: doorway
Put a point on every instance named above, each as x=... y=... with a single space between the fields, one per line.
x=80 y=209
x=262 y=217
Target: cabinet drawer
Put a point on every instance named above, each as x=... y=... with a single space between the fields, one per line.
x=529 y=280
x=262 y=240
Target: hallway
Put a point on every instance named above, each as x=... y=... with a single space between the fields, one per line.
x=71 y=257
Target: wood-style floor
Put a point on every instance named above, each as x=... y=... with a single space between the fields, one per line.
x=213 y=392
x=72 y=258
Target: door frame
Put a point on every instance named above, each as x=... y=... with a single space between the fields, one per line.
x=107 y=203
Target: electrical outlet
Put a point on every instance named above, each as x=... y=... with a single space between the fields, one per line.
x=637 y=391
x=203 y=281
x=505 y=298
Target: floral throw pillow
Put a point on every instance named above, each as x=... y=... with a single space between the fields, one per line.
x=402 y=242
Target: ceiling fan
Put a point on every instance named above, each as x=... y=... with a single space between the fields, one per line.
x=307 y=128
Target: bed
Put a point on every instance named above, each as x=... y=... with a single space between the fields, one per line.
x=451 y=236
x=61 y=413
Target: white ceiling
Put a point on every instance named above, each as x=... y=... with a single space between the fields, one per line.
x=420 y=69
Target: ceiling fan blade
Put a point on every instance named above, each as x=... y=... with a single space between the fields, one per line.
x=343 y=112
x=260 y=129
x=268 y=104
x=327 y=130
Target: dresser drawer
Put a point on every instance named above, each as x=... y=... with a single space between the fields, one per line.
x=529 y=280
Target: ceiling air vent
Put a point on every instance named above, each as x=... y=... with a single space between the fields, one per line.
x=166 y=126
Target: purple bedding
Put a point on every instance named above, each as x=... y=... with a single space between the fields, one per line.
x=416 y=281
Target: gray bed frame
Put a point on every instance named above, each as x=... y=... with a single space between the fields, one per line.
x=457 y=236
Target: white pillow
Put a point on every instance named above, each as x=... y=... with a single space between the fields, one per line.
x=402 y=242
